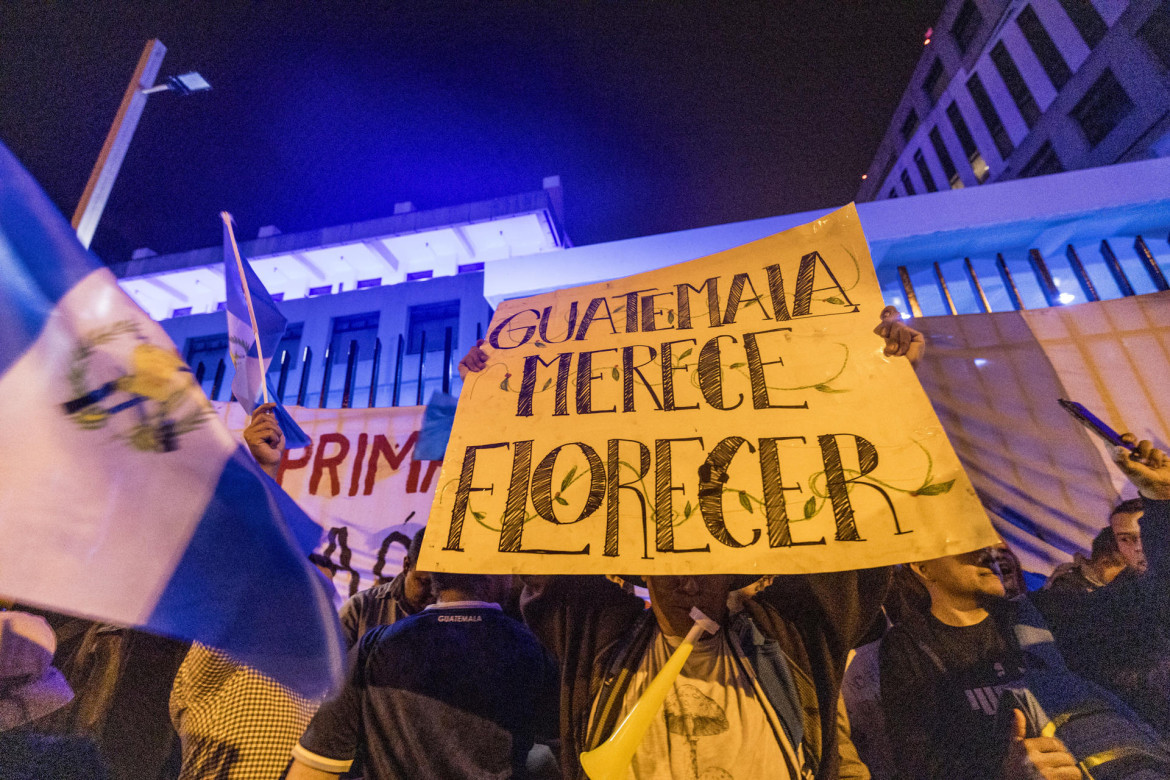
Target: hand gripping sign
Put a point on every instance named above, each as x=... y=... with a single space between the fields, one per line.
x=731 y=414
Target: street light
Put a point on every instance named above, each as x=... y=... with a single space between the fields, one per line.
x=109 y=161
x=184 y=85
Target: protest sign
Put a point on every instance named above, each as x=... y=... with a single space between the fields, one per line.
x=358 y=479
x=733 y=413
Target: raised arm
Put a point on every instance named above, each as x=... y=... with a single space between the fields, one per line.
x=575 y=614
x=1148 y=468
x=265 y=440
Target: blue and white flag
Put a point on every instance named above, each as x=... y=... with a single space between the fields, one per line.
x=251 y=356
x=122 y=497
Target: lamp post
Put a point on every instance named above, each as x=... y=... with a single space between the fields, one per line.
x=109 y=161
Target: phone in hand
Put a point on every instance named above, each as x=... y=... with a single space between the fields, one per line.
x=1093 y=423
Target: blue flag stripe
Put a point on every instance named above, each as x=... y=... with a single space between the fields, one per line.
x=214 y=590
x=40 y=259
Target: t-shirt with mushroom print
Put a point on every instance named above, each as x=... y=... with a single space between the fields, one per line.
x=715 y=723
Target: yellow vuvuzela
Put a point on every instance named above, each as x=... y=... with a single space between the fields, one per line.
x=611 y=760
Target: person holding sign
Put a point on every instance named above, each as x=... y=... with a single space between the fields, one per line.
x=756 y=699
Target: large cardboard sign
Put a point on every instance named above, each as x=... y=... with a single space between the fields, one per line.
x=729 y=414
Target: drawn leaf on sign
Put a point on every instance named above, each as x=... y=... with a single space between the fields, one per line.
x=835 y=300
x=734 y=366
x=685 y=353
x=744 y=501
x=936 y=489
x=478 y=515
x=614 y=372
x=670 y=316
x=561 y=501
x=539 y=343
x=504 y=384
x=810 y=507
x=687 y=510
x=568 y=480
x=826 y=389
x=547 y=382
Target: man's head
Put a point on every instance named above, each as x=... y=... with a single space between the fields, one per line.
x=416 y=584
x=1010 y=571
x=1124 y=522
x=673 y=596
x=1107 y=560
x=965 y=581
x=493 y=588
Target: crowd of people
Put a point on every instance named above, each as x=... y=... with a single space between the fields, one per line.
x=944 y=668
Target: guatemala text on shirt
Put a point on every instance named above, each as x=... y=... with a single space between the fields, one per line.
x=122 y=497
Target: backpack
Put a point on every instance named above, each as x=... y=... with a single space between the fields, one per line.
x=1103 y=734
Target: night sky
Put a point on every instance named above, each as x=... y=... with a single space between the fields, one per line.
x=657 y=116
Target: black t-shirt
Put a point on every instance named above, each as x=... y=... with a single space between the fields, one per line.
x=940 y=688
x=454 y=691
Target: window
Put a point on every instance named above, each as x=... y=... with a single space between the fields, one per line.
x=1042 y=163
x=1014 y=81
x=889 y=166
x=359 y=328
x=1042 y=46
x=433 y=319
x=206 y=351
x=1102 y=108
x=924 y=171
x=978 y=164
x=934 y=84
x=944 y=158
x=907 y=184
x=1086 y=19
x=990 y=116
x=290 y=342
x=1155 y=33
x=909 y=126
x=966 y=25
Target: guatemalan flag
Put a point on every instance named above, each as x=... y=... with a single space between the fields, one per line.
x=122 y=497
x=251 y=351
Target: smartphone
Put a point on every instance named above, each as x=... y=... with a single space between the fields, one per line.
x=1091 y=421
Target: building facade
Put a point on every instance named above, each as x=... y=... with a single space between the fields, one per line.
x=362 y=298
x=1010 y=89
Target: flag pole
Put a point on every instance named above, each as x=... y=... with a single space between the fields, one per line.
x=227 y=221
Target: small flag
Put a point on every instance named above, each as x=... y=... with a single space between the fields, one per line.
x=122 y=497
x=255 y=327
x=435 y=434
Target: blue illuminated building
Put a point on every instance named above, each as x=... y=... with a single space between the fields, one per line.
x=1009 y=90
x=1029 y=243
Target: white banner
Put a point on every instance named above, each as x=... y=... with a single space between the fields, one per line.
x=358 y=480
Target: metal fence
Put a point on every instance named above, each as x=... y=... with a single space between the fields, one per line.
x=1043 y=278
x=409 y=374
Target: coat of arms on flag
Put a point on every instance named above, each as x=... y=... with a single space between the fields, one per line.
x=144 y=377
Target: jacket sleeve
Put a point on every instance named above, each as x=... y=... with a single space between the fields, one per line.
x=577 y=614
x=841 y=606
x=907 y=695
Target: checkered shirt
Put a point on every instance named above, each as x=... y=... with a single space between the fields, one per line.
x=234 y=722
